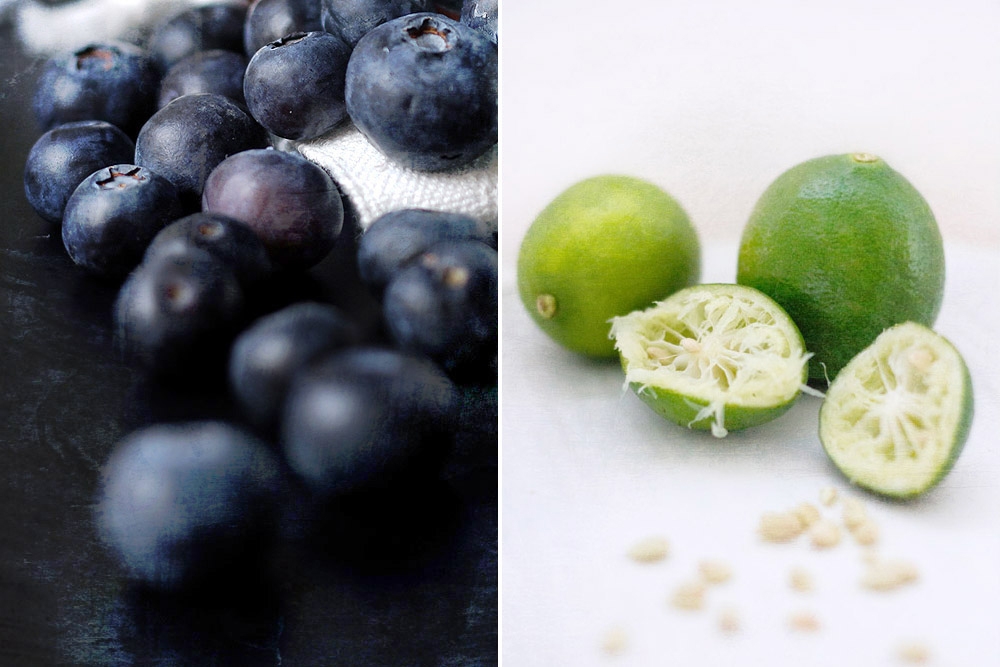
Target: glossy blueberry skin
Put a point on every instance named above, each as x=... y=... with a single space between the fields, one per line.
x=267 y=355
x=481 y=15
x=270 y=20
x=423 y=90
x=176 y=314
x=393 y=240
x=216 y=71
x=218 y=25
x=292 y=204
x=444 y=305
x=231 y=240
x=183 y=503
x=189 y=137
x=112 y=81
x=353 y=19
x=294 y=86
x=114 y=214
x=65 y=155
x=367 y=417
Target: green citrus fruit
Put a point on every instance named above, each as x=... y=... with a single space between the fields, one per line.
x=719 y=357
x=604 y=247
x=848 y=247
x=897 y=416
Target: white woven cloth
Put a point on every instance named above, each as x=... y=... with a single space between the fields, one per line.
x=376 y=185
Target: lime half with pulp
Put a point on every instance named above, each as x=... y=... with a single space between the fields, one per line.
x=896 y=417
x=719 y=357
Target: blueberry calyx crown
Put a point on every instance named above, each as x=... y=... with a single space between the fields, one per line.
x=431 y=35
x=287 y=39
x=90 y=56
x=121 y=179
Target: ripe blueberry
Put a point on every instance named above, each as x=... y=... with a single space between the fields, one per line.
x=217 y=25
x=176 y=314
x=182 y=503
x=423 y=89
x=232 y=241
x=114 y=81
x=444 y=305
x=294 y=86
x=114 y=214
x=367 y=417
x=396 y=238
x=65 y=155
x=215 y=71
x=269 y=20
x=266 y=356
x=292 y=204
x=185 y=140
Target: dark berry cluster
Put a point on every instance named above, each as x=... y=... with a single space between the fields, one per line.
x=156 y=161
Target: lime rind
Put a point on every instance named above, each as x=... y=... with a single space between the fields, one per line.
x=718 y=357
x=897 y=416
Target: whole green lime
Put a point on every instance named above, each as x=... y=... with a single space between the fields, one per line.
x=849 y=248
x=604 y=247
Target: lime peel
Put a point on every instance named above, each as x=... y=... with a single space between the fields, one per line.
x=727 y=355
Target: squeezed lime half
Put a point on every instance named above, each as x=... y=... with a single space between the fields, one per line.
x=713 y=357
x=897 y=416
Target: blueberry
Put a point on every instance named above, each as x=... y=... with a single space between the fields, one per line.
x=189 y=137
x=423 y=89
x=367 y=417
x=231 y=240
x=176 y=314
x=269 y=20
x=481 y=15
x=266 y=356
x=113 y=81
x=294 y=86
x=114 y=214
x=353 y=19
x=65 y=155
x=180 y=504
x=215 y=71
x=396 y=238
x=292 y=204
x=444 y=305
x=218 y=25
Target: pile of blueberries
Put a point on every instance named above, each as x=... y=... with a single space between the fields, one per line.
x=157 y=162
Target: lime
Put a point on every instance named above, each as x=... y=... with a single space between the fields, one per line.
x=848 y=247
x=897 y=416
x=604 y=247
x=719 y=357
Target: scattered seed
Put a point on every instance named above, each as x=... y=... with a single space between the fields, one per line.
x=729 y=621
x=800 y=580
x=807 y=514
x=650 y=550
x=914 y=652
x=828 y=495
x=803 y=621
x=865 y=533
x=888 y=575
x=824 y=534
x=779 y=526
x=714 y=571
x=854 y=513
x=690 y=596
x=615 y=641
